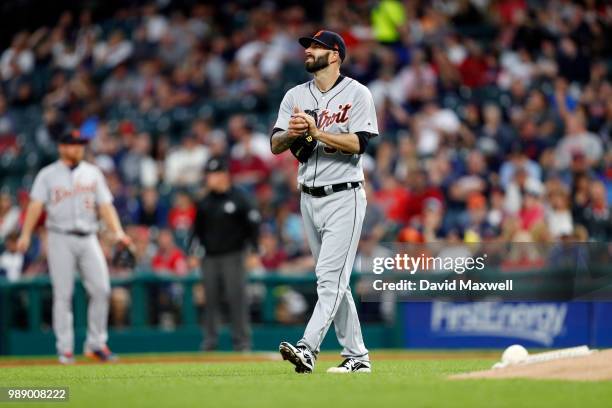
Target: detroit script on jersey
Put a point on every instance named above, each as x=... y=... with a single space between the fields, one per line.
x=59 y=194
x=70 y=195
x=327 y=117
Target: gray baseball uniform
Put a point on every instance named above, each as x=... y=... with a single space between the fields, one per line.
x=71 y=197
x=333 y=222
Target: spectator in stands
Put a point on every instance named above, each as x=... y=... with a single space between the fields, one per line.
x=151 y=212
x=144 y=246
x=168 y=258
x=249 y=170
x=578 y=140
x=124 y=201
x=137 y=166
x=539 y=111
x=183 y=167
x=475 y=222
x=433 y=126
x=392 y=198
x=181 y=218
x=494 y=136
x=472 y=177
x=18 y=59
x=521 y=183
x=182 y=214
x=111 y=53
x=203 y=131
x=374 y=221
x=273 y=256
x=290 y=229
x=66 y=56
x=597 y=215
x=148 y=79
x=119 y=86
x=532 y=214
x=49 y=130
x=559 y=217
x=11 y=260
x=420 y=190
x=449 y=76
x=155 y=23
x=8 y=137
x=497 y=213
x=518 y=160
x=433 y=217
x=473 y=69
x=523 y=254
x=7 y=122
x=414 y=80
x=9 y=215
x=246 y=139
x=388 y=18
x=573 y=63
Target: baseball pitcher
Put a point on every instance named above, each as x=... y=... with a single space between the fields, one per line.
x=327 y=123
x=73 y=192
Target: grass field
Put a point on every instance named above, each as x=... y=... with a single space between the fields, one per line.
x=404 y=379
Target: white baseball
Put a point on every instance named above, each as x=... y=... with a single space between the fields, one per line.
x=514 y=354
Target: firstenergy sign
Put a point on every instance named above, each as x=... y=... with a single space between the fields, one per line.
x=538 y=322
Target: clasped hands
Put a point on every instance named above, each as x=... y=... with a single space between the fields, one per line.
x=301 y=123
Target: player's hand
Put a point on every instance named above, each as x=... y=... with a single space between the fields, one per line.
x=312 y=125
x=297 y=125
x=124 y=239
x=23 y=243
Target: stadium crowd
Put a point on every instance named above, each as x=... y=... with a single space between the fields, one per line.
x=495 y=119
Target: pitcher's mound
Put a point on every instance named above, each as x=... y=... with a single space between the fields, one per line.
x=594 y=367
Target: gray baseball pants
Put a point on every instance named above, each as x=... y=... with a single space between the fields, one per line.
x=66 y=254
x=225 y=278
x=333 y=227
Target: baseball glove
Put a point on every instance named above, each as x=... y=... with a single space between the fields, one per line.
x=303 y=146
x=123 y=256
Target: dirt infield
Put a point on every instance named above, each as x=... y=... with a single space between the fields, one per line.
x=594 y=367
x=253 y=357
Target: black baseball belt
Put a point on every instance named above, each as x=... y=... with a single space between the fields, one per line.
x=330 y=189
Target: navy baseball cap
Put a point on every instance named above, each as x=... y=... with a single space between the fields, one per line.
x=73 y=136
x=327 y=39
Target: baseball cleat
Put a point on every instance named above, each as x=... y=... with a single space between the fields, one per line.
x=104 y=354
x=351 y=365
x=300 y=356
x=66 y=358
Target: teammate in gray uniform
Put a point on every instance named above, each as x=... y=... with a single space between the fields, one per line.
x=73 y=192
x=333 y=200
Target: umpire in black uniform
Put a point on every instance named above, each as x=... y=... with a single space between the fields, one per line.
x=226 y=224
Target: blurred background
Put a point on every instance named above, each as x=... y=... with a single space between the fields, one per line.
x=495 y=119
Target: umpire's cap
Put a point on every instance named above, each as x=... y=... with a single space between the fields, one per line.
x=72 y=136
x=216 y=163
x=327 y=39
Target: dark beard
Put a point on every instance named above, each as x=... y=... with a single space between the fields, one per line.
x=318 y=64
x=73 y=162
